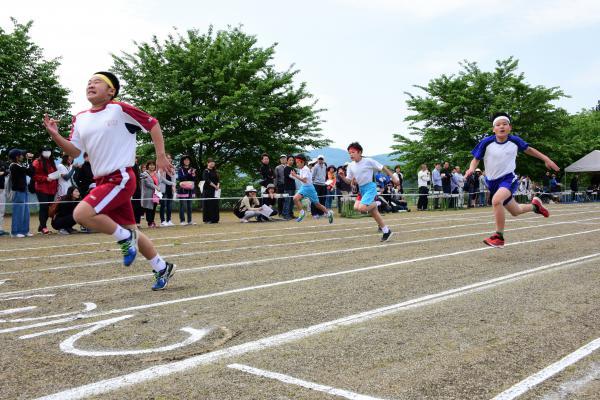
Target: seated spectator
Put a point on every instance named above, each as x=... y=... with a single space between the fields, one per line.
x=250 y=206
x=269 y=198
x=63 y=220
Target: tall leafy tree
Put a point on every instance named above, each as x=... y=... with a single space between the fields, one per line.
x=219 y=95
x=582 y=135
x=29 y=87
x=454 y=114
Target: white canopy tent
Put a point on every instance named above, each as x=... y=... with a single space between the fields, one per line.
x=589 y=163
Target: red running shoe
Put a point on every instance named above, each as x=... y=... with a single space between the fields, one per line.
x=540 y=207
x=494 y=241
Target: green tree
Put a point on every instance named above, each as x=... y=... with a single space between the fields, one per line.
x=218 y=95
x=454 y=114
x=29 y=88
x=582 y=135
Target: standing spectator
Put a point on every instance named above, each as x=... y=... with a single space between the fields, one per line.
x=18 y=181
x=446 y=174
x=483 y=190
x=400 y=177
x=186 y=177
x=3 y=177
x=63 y=220
x=574 y=187
x=289 y=186
x=280 y=180
x=167 y=183
x=266 y=172
x=436 y=176
x=458 y=182
x=84 y=176
x=210 y=209
x=331 y=189
x=46 y=186
x=343 y=189
x=319 y=176
x=423 y=179
x=546 y=182
x=136 y=200
x=66 y=171
x=554 y=184
x=150 y=189
x=473 y=183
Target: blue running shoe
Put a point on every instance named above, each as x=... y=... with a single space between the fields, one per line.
x=129 y=248
x=162 y=277
x=301 y=216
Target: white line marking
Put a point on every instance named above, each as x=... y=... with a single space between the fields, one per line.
x=17 y=310
x=459 y=217
x=27 y=297
x=569 y=389
x=157 y=371
x=274 y=284
x=203 y=252
x=299 y=382
x=88 y=307
x=68 y=345
x=271 y=259
x=553 y=369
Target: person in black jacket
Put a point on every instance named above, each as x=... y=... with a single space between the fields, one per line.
x=210 y=176
x=84 y=176
x=63 y=220
x=266 y=172
x=18 y=180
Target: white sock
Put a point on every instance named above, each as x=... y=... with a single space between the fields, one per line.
x=157 y=263
x=121 y=233
x=385 y=229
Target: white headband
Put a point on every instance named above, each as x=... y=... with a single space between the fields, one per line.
x=501 y=118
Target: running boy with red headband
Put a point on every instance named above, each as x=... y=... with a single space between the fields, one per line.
x=360 y=173
x=107 y=133
x=307 y=189
x=499 y=153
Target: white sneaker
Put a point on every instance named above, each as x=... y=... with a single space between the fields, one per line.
x=29 y=234
x=169 y=223
x=164 y=223
x=182 y=223
x=242 y=220
x=63 y=232
x=192 y=223
x=18 y=235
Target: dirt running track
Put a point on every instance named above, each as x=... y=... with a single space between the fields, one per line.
x=310 y=311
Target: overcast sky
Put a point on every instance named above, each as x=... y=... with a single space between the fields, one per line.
x=358 y=57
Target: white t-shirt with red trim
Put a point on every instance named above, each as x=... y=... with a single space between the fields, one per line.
x=108 y=135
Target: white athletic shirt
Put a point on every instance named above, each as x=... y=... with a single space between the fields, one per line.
x=108 y=135
x=499 y=158
x=305 y=172
x=363 y=170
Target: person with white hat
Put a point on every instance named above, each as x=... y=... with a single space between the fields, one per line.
x=499 y=153
x=250 y=206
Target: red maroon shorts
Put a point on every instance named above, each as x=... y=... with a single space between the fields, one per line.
x=112 y=196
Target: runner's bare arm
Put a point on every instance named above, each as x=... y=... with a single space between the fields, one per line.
x=538 y=154
x=389 y=173
x=472 y=166
x=52 y=128
x=162 y=163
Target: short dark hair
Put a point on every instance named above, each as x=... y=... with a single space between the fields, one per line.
x=355 y=145
x=113 y=79
x=263 y=155
x=300 y=157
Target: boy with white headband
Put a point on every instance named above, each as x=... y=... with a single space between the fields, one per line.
x=107 y=133
x=499 y=153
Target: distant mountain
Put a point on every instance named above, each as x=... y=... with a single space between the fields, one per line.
x=338 y=157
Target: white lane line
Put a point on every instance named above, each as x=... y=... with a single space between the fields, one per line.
x=466 y=216
x=17 y=310
x=108 y=385
x=299 y=382
x=568 y=389
x=320 y=240
x=28 y=297
x=283 y=258
x=88 y=307
x=553 y=369
x=368 y=225
x=266 y=285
